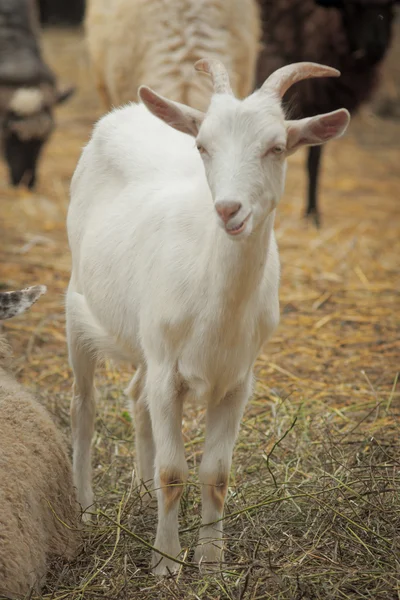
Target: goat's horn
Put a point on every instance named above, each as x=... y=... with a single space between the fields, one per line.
x=281 y=80
x=219 y=74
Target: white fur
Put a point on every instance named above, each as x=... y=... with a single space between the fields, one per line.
x=162 y=40
x=158 y=280
x=26 y=101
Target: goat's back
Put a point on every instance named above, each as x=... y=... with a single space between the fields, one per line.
x=130 y=147
x=139 y=190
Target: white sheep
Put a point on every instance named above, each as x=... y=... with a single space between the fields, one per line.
x=176 y=269
x=131 y=42
x=38 y=509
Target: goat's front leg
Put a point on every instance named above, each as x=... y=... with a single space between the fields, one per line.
x=222 y=426
x=165 y=403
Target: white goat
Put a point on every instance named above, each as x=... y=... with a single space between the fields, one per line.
x=176 y=268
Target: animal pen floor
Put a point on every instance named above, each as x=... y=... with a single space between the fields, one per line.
x=313 y=509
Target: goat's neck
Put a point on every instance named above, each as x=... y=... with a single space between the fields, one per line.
x=238 y=267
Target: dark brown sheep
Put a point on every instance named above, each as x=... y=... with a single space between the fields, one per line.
x=61 y=12
x=350 y=35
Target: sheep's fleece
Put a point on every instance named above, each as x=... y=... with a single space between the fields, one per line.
x=36 y=489
x=154 y=42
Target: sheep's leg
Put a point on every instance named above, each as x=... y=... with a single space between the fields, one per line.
x=313 y=165
x=145 y=450
x=165 y=402
x=83 y=411
x=222 y=425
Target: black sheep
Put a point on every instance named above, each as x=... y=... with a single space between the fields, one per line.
x=350 y=35
x=28 y=91
x=61 y=12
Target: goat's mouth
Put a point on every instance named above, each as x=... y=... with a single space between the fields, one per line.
x=238 y=228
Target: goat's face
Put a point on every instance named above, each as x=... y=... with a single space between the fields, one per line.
x=243 y=147
x=244 y=144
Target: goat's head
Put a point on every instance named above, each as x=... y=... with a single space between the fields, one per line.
x=15 y=303
x=27 y=125
x=244 y=144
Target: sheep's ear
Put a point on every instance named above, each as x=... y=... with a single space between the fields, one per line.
x=179 y=116
x=15 y=303
x=316 y=130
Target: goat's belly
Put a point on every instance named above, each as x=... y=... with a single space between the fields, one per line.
x=212 y=373
x=112 y=333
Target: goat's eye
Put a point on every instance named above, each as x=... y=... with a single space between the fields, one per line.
x=274 y=150
x=278 y=149
x=201 y=149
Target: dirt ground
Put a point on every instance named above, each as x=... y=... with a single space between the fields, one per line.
x=313 y=509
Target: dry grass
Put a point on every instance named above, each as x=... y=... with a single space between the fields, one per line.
x=313 y=508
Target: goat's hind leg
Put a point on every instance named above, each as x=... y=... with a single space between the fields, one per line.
x=144 y=441
x=83 y=404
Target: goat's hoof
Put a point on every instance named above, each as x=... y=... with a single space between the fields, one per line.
x=162 y=566
x=86 y=517
x=208 y=556
x=86 y=499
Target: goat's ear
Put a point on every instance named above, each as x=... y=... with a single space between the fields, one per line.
x=316 y=130
x=179 y=116
x=15 y=303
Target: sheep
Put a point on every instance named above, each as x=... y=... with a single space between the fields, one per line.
x=160 y=42
x=28 y=91
x=38 y=509
x=349 y=35
x=386 y=102
x=175 y=268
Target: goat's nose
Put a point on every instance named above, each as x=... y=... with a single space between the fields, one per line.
x=227 y=209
